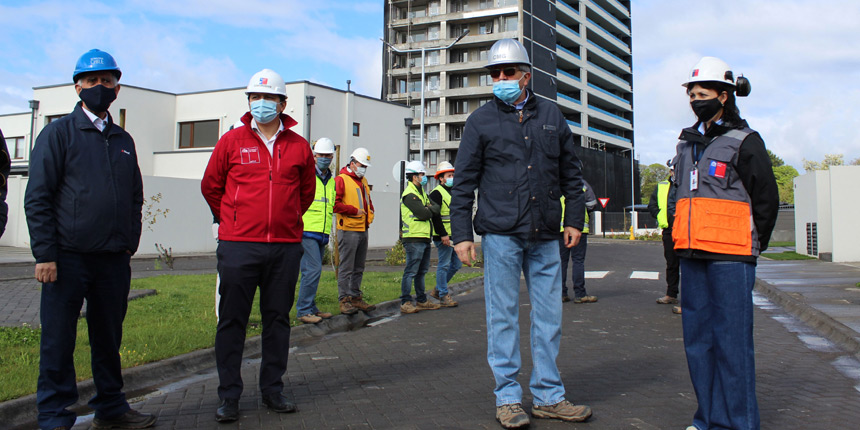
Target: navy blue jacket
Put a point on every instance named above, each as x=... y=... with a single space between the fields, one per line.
x=5 y=166
x=85 y=192
x=521 y=167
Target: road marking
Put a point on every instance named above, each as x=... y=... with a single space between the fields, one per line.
x=596 y=274
x=645 y=275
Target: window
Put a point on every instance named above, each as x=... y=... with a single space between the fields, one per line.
x=434 y=7
x=433 y=33
x=418 y=36
x=432 y=133
x=458 y=81
x=401 y=85
x=459 y=56
x=509 y=23
x=432 y=158
x=198 y=134
x=17 y=147
x=432 y=108
x=485 y=80
x=482 y=102
x=507 y=2
x=459 y=107
x=414 y=135
x=356 y=128
x=457 y=30
x=432 y=82
x=455 y=132
x=51 y=118
x=483 y=54
x=485 y=4
x=416 y=110
x=458 y=6
x=418 y=13
x=414 y=86
x=485 y=27
x=432 y=58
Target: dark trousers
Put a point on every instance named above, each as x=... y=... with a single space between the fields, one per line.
x=102 y=279
x=673 y=268
x=577 y=256
x=243 y=266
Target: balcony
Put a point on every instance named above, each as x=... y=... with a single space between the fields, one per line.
x=609 y=57
x=607 y=96
x=567 y=32
x=611 y=38
x=614 y=137
x=603 y=13
x=611 y=78
x=610 y=118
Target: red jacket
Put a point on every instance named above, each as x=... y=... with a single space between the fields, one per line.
x=258 y=197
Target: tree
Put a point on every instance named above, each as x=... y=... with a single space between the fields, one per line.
x=649 y=176
x=775 y=161
x=829 y=160
x=785 y=181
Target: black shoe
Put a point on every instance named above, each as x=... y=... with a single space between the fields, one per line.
x=228 y=411
x=132 y=419
x=279 y=403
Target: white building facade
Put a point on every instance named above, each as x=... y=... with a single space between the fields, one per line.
x=174 y=135
x=825 y=214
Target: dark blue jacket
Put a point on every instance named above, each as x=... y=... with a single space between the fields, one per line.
x=521 y=167
x=5 y=166
x=85 y=191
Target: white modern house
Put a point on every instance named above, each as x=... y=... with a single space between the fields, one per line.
x=825 y=214
x=175 y=134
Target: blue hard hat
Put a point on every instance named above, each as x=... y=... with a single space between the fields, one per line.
x=95 y=60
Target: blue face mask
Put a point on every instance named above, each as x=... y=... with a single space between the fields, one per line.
x=507 y=91
x=323 y=163
x=449 y=182
x=423 y=180
x=264 y=111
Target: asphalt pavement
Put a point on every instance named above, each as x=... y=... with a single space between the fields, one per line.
x=623 y=356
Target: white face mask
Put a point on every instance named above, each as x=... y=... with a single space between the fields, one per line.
x=360 y=171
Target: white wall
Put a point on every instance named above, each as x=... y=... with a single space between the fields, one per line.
x=187 y=227
x=829 y=198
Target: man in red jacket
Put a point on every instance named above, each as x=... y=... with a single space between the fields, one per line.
x=259 y=182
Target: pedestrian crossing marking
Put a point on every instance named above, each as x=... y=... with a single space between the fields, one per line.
x=645 y=275
x=596 y=274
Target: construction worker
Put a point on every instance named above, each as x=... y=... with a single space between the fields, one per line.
x=259 y=180
x=659 y=208
x=353 y=210
x=448 y=262
x=83 y=203
x=518 y=152
x=317 y=226
x=416 y=210
x=577 y=254
x=727 y=202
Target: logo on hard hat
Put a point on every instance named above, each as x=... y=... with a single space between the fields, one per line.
x=368 y=158
x=96 y=60
x=264 y=81
x=695 y=73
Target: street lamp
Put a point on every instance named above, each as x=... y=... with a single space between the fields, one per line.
x=423 y=53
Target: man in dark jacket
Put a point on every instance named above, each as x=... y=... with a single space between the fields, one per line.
x=518 y=152
x=83 y=204
x=659 y=207
x=5 y=167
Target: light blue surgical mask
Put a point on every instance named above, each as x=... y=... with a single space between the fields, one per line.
x=508 y=91
x=264 y=111
x=323 y=163
x=423 y=180
x=449 y=182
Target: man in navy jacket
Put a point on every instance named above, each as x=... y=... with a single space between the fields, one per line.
x=83 y=204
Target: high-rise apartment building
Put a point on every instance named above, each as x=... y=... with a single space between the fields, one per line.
x=581 y=56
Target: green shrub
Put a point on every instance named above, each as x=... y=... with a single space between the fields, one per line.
x=396 y=255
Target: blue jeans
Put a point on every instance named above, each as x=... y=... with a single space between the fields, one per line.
x=505 y=257
x=577 y=269
x=417 y=265
x=311 y=268
x=718 y=338
x=448 y=266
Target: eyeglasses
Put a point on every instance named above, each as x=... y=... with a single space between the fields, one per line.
x=509 y=71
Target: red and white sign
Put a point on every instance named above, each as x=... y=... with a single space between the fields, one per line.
x=603 y=201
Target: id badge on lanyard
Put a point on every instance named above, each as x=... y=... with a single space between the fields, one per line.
x=694 y=179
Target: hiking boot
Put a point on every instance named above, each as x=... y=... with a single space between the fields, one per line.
x=427 y=305
x=667 y=300
x=564 y=411
x=435 y=294
x=360 y=304
x=565 y=299
x=310 y=319
x=228 y=411
x=324 y=315
x=512 y=416
x=346 y=306
x=585 y=299
x=132 y=419
x=447 y=302
x=676 y=310
x=279 y=403
x=408 y=308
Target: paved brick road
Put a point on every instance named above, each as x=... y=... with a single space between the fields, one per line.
x=622 y=355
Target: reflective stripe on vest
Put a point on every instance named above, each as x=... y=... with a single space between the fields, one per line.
x=318 y=216
x=445 y=212
x=662 y=202
x=716 y=216
x=412 y=227
x=585 y=229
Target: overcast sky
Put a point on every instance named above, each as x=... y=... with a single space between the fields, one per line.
x=801 y=56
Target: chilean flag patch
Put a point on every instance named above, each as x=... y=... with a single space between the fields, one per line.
x=695 y=73
x=717 y=169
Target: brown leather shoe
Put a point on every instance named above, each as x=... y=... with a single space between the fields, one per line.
x=360 y=304
x=346 y=306
x=132 y=419
x=310 y=319
x=324 y=315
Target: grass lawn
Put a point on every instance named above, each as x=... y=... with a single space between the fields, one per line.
x=177 y=320
x=788 y=243
x=787 y=255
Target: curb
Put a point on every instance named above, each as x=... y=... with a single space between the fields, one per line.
x=140 y=379
x=833 y=330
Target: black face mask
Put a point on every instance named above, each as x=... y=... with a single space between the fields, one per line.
x=706 y=109
x=98 y=98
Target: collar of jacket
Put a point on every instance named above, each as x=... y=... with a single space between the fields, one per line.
x=530 y=103
x=82 y=121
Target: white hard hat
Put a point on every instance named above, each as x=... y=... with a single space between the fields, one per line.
x=267 y=81
x=324 y=145
x=361 y=155
x=508 y=51
x=444 y=167
x=710 y=69
x=415 y=166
